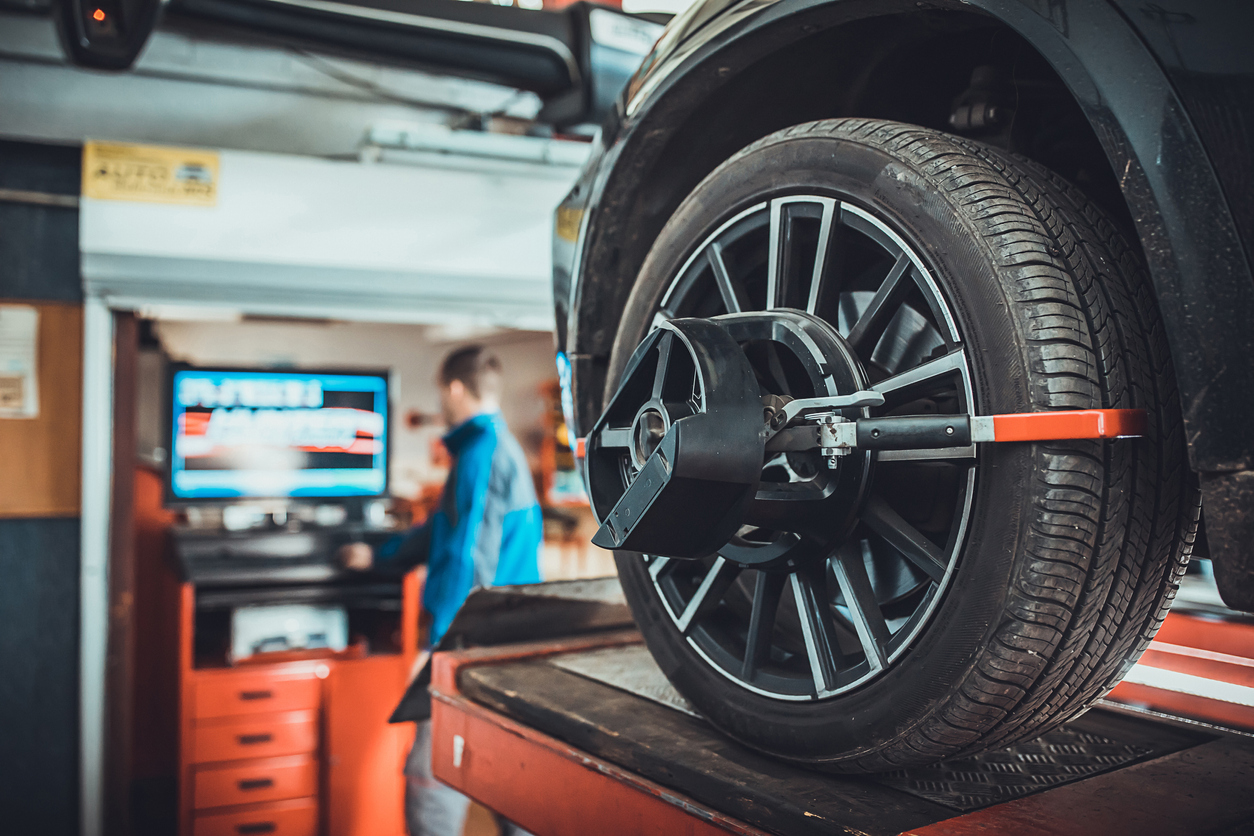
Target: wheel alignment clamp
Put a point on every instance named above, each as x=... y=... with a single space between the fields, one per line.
x=1037 y=426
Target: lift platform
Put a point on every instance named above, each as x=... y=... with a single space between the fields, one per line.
x=583 y=734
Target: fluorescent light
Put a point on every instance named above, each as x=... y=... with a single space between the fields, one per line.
x=190 y=313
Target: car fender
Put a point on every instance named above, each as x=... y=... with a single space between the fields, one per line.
x=1200 y=271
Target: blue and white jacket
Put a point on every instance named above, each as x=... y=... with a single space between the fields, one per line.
x=487 y=530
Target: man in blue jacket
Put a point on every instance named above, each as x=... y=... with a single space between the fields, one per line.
x=486 y=532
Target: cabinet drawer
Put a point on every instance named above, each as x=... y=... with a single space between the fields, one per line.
x=255 y=736
x=222 y=696
x=282 y=818
x=270 y=779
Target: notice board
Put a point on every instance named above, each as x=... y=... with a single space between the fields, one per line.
x=40 y=450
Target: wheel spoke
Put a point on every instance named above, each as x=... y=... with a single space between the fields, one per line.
x=663 y=361
x=866 y=332
x=733 y=294
x=923 y=373
x=776 y=249
x=709 y=593
x=659 y=566
x=849 y=567
x=661 y=318
x=766 y=592
x=829 y=237
x=904 y=537
x=817 y=628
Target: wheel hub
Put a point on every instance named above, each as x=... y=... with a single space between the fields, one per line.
x=678 y=465
x=647 y=432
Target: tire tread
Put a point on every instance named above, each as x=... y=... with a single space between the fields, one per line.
x=1115 y=523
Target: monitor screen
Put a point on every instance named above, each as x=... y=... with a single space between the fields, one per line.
x=274 y=434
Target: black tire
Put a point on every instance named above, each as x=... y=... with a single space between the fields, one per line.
x=1074 y=549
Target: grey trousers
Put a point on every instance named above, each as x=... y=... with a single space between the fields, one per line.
x=432 y=808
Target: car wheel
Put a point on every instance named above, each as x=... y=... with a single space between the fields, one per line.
x=961 y=599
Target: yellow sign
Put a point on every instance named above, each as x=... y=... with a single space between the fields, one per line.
x=113 y=171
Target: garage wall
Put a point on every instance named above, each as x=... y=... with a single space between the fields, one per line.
x=460 y=239
x=39 y=556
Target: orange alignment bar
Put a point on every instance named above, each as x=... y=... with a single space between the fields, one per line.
x=1083 y=423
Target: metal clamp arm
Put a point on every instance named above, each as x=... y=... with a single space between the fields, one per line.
x=934 y=432
x=795 y=408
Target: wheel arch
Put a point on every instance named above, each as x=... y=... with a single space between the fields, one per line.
x=723 y=91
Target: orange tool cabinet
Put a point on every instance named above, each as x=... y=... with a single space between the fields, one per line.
x=297 y=745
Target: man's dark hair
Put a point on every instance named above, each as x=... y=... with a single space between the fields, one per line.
x=476 y=367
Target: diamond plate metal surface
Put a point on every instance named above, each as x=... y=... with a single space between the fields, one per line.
x=1056 y=757
x=629 y=669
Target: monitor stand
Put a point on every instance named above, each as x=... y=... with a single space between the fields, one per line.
x=355 y=507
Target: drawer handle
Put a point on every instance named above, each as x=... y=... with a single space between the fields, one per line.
x=255 y=695
x=256 y=783
x=252 y=739
x=255 y=827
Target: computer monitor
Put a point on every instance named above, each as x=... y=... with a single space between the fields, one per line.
x=258 y=434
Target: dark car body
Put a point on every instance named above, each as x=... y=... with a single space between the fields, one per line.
x=1162 y=94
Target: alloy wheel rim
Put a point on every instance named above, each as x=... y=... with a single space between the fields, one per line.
x=812 y=629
